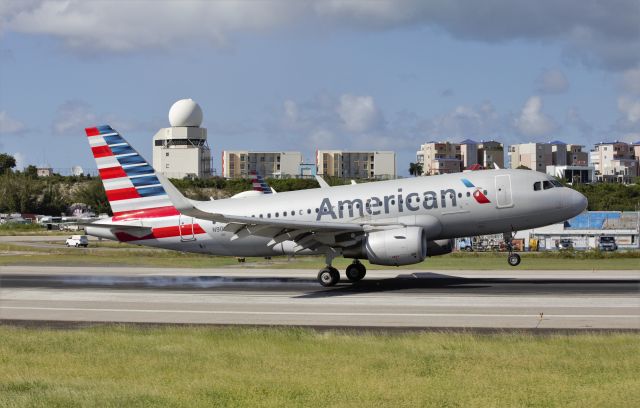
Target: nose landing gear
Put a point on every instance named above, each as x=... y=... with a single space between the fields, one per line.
x=329 y=276
x=513 y=258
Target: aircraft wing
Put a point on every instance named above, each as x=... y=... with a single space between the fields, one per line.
x=306 y=234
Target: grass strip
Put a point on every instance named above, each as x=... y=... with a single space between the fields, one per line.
x=130 y=366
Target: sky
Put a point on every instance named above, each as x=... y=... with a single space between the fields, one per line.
x=306 y=75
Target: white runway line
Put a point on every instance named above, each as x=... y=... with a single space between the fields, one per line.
x=239 y=312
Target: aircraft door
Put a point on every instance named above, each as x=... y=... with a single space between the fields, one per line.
x=503 y=191
x=186 y=228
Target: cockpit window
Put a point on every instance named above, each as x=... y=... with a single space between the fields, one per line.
x=556 y=183
x=537 y=186
x=547 y=184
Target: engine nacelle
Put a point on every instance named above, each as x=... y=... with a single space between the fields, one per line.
x=440 y=247
x=401 y=246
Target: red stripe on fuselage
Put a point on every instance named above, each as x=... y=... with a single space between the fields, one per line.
x=112 y=172
x=122 y=194
x=101 y=151
x=163 y=232
x=156 y=212
x=92 y=131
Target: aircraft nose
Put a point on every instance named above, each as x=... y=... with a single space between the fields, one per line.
x=576 y=202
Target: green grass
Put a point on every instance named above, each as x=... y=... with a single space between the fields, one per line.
x=114 y=366
x=13 y=229
x=129 y=255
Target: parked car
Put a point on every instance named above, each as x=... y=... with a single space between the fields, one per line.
x=607 y=244
x=78 y=241
x=565 y=244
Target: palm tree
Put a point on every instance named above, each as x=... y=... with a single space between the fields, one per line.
x=415 y=169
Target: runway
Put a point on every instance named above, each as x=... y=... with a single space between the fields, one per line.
x=386 y=298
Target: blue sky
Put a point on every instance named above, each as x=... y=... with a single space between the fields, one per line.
x=281 y=75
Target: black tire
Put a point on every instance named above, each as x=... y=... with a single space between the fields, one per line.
x=355 y=272
x=514 y=259
x=328 y=276
x=468 y=249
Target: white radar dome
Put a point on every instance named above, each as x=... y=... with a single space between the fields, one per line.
x=185 y=112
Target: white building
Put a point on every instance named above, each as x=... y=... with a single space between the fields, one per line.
x=240 y=163
x=615 y=161
x=535 y=156
x=356 y=164
x=573 y=174
x=181 y=150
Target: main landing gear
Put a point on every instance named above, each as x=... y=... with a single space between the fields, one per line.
x=329 y=276
x=356 y=271
x=513 y=258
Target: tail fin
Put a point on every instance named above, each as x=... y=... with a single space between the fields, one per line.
x=259 y=184
x=132 y=188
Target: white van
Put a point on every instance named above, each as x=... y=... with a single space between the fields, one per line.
x=78 y=241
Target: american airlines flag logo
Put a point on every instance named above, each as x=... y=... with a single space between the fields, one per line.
x=479 y=196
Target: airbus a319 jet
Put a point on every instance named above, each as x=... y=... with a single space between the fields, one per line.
x=393 y=222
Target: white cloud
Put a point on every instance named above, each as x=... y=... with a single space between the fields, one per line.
x=359 y=114
x=72 y=117
x=576 y=120
x=552 y=81
x=630 y=108
x=597 y=33
x=9 y=125
x=134 y=24
x=532 y=121
x=21 y=160
x=631 y=81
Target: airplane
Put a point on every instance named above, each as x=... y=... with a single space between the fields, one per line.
x=391 y=222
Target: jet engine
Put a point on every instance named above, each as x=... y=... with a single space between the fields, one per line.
x=400 y=246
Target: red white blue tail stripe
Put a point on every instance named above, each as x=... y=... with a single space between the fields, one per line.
x=132 y=188
x=259 y=184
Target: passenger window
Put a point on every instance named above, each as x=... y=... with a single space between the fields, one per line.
x=547 y=184
x=536 y=186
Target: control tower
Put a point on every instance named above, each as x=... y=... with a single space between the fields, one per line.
x=182 y=150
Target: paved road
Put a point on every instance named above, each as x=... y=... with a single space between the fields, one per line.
x=390 y=298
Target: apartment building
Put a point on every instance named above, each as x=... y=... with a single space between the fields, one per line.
x=614 y=161
x=535 y=156
x=240 y=163
x=356 y=164
x=442 y=157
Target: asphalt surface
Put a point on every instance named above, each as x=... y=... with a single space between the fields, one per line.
x=390 y=298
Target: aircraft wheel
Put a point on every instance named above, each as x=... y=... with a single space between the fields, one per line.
x=355 y=272
x=328 y=276
x=514 y=259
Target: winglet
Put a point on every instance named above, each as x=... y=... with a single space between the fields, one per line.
x=322 y=182
x=495 y=165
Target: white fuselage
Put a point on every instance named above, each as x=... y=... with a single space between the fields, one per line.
x=446 y=206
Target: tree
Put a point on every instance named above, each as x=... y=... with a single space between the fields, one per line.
x=7 y=162
x=31 y=171
x=415 y=169
x=92 y=194
x=523 y=167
